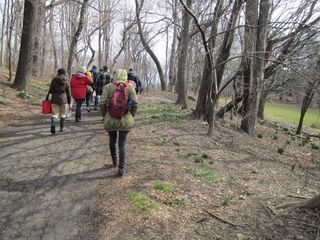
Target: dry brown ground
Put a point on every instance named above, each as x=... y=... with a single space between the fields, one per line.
x=249 y=171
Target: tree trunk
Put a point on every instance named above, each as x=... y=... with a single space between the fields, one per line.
x=312 y=86
x=248 y=107
x=183 y=57
x=4 y=18
x=37 y=40
x=76 y=35
x=147 y=48
x=24 y=69
x=262 y=104
x=228 y=107
x=227 y=41
x=204 y=94
x=304 y=107
x=53 y=43
x=9 y=42
x=172 y=72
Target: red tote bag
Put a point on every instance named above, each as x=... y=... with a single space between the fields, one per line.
x=46 y=107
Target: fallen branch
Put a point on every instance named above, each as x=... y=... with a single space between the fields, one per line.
x=222 y=220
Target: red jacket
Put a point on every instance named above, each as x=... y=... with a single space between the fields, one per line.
x=78 y=84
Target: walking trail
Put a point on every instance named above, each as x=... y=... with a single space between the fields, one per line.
x=61 y=186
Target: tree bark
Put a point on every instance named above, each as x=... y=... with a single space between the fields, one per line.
x=183 y=57
x=262 y=104
x=24 y=69
x=172 y=72
x=37 y=39
x=254 y=69
x=76 y=35
x=204 y=94
x=227 y=41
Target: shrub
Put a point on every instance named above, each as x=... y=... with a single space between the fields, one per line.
x=275 y=137
x=288 y=142
x=259 y=135
x=315 y=146
x=180 y=201
x=280 y=150
x=198 y=160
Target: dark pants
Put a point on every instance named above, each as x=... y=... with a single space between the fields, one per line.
x=122 y=143
x=88 y=99
x=78 y=107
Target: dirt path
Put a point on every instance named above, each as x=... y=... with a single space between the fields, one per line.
x=57 y=187
x=48 y=184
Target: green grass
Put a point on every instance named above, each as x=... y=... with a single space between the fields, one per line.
x=291 y=113
x=227 y=201
x=23 y=94
x=162 y=186
x=142 y=202
x=203 y=173
x=164 y=112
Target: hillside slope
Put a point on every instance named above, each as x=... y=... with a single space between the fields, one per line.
x=179 y=184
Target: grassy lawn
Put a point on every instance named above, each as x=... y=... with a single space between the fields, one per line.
x=291 y=113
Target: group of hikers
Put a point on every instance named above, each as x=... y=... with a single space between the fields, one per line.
x=114 y=94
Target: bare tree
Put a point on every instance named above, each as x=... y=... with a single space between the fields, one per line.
x=76 y=35
x=254 y=72
x=147 y=47
x=182 y=57
x=23 y=75
x=313 y=86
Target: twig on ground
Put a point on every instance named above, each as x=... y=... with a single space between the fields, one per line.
x=269 y=210
x=295 y=196
x=222 y=220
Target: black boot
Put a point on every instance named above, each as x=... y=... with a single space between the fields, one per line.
x=53 y=125
x=61 y=124
x=120 y=172
x=77 y=118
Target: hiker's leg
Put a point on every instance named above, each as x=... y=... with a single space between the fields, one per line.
x=96 y=102
x=112 y=146
x=88 y=97
x=61 y=124
x=54 y=117
x=78 y=109
x=62 y=115
x=123 y=136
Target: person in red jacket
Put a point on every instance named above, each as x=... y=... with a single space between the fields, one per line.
x=78 y=83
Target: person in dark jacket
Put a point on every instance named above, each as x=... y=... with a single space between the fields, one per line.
x=94 y=73
x=78 y=89
x=103 y=78
x=59 y=88
x=135 y=81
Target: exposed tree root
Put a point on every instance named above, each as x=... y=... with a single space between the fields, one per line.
x=310 y=203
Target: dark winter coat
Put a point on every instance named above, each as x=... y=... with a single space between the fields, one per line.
x=59 y=88
x=133 y=77
x=78 y=85
x=102 y=79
